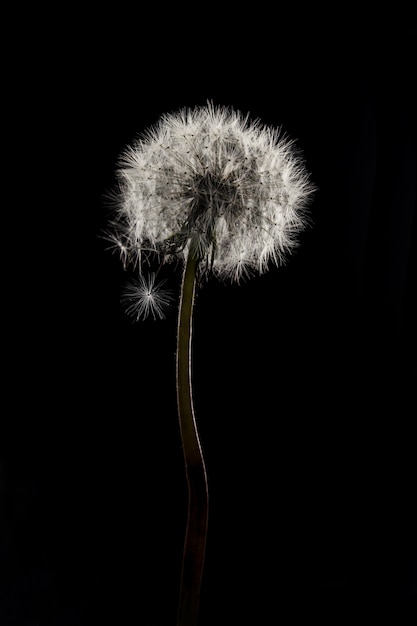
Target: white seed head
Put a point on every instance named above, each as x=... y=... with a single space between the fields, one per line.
x=209 y=180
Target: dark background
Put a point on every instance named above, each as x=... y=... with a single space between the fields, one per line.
x=304 y=379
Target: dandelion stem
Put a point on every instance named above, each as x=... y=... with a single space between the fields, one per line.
x=196 y=531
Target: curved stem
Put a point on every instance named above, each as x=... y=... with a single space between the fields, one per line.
x=195 y=536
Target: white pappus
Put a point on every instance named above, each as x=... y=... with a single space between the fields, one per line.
x=208 y=180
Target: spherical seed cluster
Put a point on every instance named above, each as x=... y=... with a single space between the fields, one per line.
x=209 y=181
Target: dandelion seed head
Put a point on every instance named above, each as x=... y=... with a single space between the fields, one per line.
x=208 y=178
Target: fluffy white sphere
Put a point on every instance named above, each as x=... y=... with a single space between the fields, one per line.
x=208 y=180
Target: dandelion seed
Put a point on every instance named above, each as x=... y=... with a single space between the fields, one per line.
x=143 y=297
x=117 y=246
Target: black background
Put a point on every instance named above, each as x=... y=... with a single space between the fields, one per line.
x=304 y=379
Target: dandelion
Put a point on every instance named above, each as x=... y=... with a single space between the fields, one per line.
x=228 y=197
